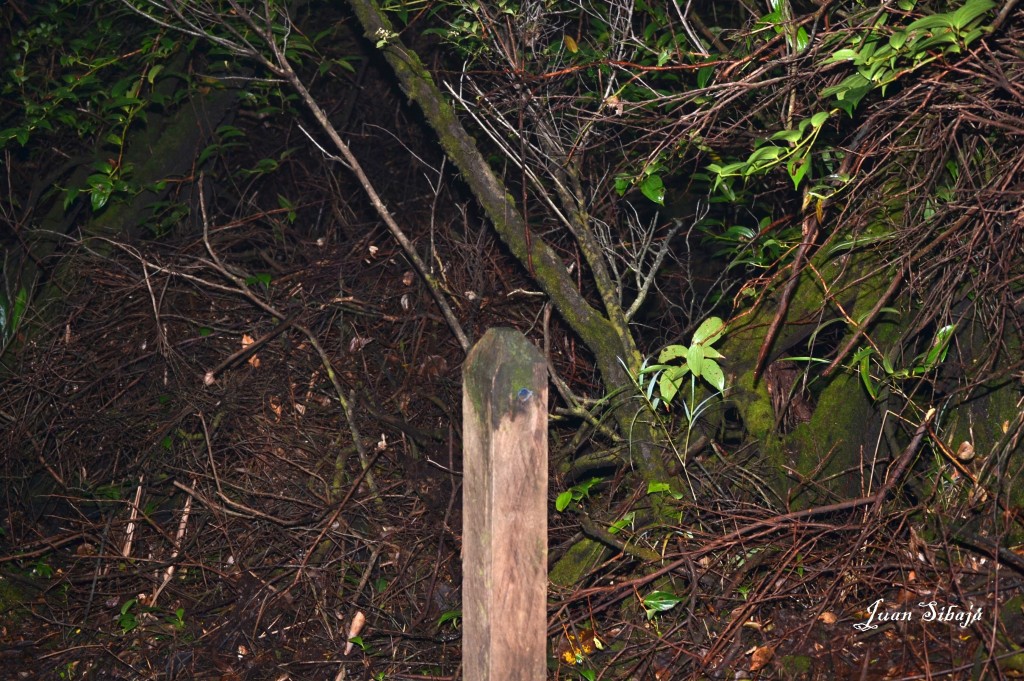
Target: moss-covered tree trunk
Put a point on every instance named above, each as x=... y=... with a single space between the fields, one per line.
x=606 y=335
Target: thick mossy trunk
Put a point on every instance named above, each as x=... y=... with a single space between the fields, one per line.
x=829 y=446
x=611 y=344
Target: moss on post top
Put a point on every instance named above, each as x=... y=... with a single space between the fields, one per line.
x=503 y=373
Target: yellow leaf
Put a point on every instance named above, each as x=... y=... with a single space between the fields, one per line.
x=571 y=45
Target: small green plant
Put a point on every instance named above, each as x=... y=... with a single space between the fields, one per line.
x=882 y=56
x=575 y=494
x=177 y=619
x=659 y=601
x=794 y=153
x=66 y=672
x=450 y=617
x=650 y=183
x=622 y=523
x=762 y=247
x=42 y=569
x=127 y=620
x=663 y=488
x=922 y=364
x=698 y=362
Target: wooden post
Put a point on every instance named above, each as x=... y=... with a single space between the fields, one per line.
x=504 y=509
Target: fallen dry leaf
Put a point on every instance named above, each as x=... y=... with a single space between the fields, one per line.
x=761 y=657
x=358 y=620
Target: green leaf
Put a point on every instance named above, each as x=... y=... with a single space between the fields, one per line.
x=622 y=523
x=622 y=184
x=563 y=500
x=843 y=55
x=671 y=352
x=452 y=616
x=865 y=372
x=99 y=194
x=658 y=487
x=792 y=136
x=887 y=365
x=704 y=74
x=802 y=39
x=797 y=168
x=69 y=197
x=819 y=118
x=670 y=381
x=709 y=331
x=713 y=374
x=261 y=278
x=937 y=354
x=971 y=10
x=710 y=352
x=695 y=359
x=660 y=601
x=654 y=189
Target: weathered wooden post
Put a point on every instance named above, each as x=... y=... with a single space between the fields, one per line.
x=504 y=509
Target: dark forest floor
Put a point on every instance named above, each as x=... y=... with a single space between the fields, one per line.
x=159 y=525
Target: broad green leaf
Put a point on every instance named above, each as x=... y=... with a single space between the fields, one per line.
x=797 y=168
x=695 y=358
x=766 y=153
x=819 y=118
x=704 y=74
x=622 y=523
x=622 y=184
x=660 y=601
x=802 y=39
x=842 y=55
x=713 y=374
x=658 y=487
x=669 y=382
x=792 y=136
x=709 y=331
x=712 y=353
x=971 y=10
x=563 y=500
x=654 y=189
x=671 y=352
x=937 y=353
